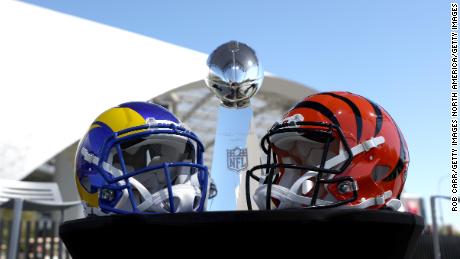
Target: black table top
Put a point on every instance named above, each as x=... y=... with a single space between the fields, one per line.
x=325 y=233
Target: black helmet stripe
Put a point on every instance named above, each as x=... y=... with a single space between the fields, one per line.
x=378 y=119
x=355 y=109
x=400 y=165
x=320 y=108
x=402 y=157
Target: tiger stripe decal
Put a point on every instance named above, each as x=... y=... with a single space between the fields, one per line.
x=355 y=109
x=378 y=119
x=320 y=108
x=402 y=156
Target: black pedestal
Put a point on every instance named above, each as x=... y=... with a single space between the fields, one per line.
x=307 y=233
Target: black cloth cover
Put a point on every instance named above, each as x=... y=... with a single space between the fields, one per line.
x=318 y=233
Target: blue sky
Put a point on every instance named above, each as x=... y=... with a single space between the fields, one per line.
x=393 y=52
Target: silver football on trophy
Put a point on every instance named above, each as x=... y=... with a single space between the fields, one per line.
x=235 y=74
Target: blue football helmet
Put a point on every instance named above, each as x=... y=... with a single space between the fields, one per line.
x=139 y=158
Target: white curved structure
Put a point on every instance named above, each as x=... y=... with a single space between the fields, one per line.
x=58 y=72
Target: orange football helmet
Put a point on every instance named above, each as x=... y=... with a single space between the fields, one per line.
x=331 y=149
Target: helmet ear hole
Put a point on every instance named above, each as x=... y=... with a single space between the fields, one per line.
x=86 y=183
x=196 y=202
x=379 y=172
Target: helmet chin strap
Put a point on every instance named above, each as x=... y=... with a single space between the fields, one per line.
x=291 y=198
x=288 y=198
x=184 y=196
x=393 y=204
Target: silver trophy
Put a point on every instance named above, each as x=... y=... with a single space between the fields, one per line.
x=235 y=75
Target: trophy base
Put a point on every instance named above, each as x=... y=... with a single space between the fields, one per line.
x=320 y=233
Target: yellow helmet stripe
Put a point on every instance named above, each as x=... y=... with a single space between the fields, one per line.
x=121 y=118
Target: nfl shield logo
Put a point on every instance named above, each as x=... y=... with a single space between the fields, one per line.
x=237 y=159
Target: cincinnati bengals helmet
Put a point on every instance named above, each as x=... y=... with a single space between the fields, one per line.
x=139 y=158
x=329 y=150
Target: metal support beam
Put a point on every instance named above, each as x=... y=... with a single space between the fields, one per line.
x=434 y=224
x=15 y=228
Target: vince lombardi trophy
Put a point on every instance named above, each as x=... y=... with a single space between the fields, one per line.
x=234 y=76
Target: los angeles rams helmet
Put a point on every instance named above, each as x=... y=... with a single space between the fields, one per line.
x=139 y=158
